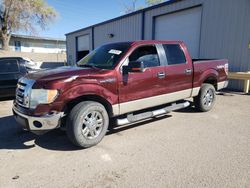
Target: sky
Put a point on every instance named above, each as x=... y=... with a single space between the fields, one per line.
x=77 y=14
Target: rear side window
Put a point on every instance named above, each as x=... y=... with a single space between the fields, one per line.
x=174 y=53
x=8 y=66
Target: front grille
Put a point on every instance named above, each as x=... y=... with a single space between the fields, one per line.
x=23 y=92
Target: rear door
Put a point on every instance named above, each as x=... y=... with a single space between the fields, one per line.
x=138 y=90
x=179 y=72
x=9 y=75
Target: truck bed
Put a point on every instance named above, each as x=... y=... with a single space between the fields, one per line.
x=202 y=60
x=220 y=67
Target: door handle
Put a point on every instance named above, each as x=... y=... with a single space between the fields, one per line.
x=188 y=71
x=161 y=75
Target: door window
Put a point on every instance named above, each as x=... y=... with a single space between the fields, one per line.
x=146 y=54
x=174 y=53
x=8 y=66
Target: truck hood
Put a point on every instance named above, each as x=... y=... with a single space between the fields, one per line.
x=61 y=73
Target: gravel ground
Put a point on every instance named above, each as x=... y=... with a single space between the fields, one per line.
x=182 y=149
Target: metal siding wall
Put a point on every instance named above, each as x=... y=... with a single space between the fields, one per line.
x=173 y=27
x=70 y=47
x=150 y=14
x=225 y=34
x=71 y=44
x=126 y=29
x=224 y=31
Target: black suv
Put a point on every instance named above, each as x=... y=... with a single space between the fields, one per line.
x=11 y=69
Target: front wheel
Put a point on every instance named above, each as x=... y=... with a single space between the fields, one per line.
x=204 y=102
x=87 y=124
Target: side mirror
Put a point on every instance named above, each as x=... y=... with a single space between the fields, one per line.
x=133 y=66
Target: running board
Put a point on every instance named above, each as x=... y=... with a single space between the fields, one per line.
x=134 y=118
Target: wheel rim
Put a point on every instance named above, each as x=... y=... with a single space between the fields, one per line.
x=92 y=125
x=208 y=98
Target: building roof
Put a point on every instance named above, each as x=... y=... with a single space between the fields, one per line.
x=168 y=2
x=37 y=38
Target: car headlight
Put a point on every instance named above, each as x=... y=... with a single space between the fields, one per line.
x=42 y=96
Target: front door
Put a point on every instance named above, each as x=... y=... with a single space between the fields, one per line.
x=139 y=90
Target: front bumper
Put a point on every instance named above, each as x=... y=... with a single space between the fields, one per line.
x=38 y=124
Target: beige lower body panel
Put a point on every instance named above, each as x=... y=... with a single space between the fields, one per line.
x=140 y=104
x=116 y=109
x=196 y=91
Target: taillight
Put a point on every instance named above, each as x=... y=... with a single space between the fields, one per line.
x=226 y=68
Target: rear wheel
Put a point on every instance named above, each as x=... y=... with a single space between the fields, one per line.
x=87 y=124
x=204 y=102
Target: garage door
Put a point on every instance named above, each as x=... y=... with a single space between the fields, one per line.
x=82 y=46
x=184 y=25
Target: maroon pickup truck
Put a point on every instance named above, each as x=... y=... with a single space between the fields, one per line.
x=126 y=82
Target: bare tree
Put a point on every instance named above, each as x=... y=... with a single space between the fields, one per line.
x=132 y=6
x=23 y=15
x=153 y=2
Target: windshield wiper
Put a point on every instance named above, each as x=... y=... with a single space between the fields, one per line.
x=89 y=65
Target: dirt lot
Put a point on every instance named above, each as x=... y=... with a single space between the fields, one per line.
x=183 y=149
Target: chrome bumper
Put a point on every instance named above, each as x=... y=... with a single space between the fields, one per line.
x=36 y=124
x=222 y=85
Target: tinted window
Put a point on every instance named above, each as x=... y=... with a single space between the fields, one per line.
x=174 y=54
x=146 y=54
x=8 y=66
x=105 y=57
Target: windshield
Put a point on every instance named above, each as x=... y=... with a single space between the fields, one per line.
x=105 y=57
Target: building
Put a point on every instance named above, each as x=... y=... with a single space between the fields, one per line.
x=23 y=43
x=210 y=28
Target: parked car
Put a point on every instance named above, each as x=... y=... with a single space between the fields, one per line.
x=11 y=69
x=128 y=82
x=31 y=64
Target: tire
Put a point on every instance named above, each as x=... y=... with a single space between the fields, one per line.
x=87 y=124
x=205 y=101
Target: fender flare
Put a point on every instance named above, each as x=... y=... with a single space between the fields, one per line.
x=93 y=92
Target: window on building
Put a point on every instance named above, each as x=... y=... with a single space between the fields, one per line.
x=49 y=45
x=146 y=54
x=17 y=46
x=8 y=66
x=62 y=46
x=27 y=44
x=175 y=54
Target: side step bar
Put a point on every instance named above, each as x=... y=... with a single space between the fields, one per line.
x=145 y=115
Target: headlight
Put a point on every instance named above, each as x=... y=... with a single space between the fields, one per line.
x=42 y=96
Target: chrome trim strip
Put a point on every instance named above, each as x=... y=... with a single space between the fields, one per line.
x=27 y=90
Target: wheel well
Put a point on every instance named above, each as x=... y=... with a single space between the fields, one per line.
x=212 y=81
x=95 y=98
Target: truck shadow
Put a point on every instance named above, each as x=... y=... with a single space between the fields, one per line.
x=190 y=109
x=114 y=129
x=12 y=137
x=6 y=98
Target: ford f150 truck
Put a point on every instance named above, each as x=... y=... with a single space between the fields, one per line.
x=126 y=81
